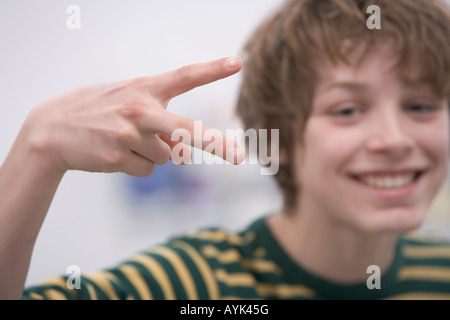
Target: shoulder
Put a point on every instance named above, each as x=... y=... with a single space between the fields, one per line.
x=425 y=240
x=428 y=250
x=214 y=241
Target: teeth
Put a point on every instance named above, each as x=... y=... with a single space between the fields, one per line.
x=387 y=182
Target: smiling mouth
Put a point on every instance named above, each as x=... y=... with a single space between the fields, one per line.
x=388 y=180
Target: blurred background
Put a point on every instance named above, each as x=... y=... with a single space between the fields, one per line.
x=96 y=220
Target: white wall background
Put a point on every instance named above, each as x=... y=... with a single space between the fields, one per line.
x=93 y=221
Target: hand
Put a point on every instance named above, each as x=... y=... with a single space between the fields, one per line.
x=122 y=126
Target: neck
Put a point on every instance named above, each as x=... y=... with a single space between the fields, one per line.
x=332 y=250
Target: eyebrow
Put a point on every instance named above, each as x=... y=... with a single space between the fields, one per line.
x=362 y=87
x=418 y=84
x=347 y=85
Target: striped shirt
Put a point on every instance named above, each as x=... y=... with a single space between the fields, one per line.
x=213 y=264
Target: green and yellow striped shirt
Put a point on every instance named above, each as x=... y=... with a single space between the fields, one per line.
x=213 y=264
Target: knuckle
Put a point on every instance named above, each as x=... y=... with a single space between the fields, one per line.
x=142 y=170
x=155 y=114
x=114 y=160
x=133 y=107
x=125 y=135
x=148 y=169
x=163 y=156
x=184 y=73
x=121 y=134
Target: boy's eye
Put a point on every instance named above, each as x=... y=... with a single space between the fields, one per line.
x=347 y=112
x=420 y=108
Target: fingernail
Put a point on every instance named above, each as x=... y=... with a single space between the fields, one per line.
x=231 y=62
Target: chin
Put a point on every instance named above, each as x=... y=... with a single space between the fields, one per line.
x=394 y=221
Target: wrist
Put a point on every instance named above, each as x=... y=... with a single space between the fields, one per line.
x=32 y=158
x=35 y=144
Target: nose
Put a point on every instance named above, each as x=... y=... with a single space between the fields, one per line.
x=390 y=135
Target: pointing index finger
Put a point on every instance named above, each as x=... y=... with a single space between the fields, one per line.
x=173 y=83
x=195 y=134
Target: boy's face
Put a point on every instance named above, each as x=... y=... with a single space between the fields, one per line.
x=375 y=148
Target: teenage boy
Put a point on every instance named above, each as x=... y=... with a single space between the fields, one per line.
x=364 y=146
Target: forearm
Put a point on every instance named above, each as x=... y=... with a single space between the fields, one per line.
x=28 y=183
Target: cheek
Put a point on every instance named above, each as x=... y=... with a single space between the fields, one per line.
x=331 y=145
x=326 y=153
x=435 y=140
